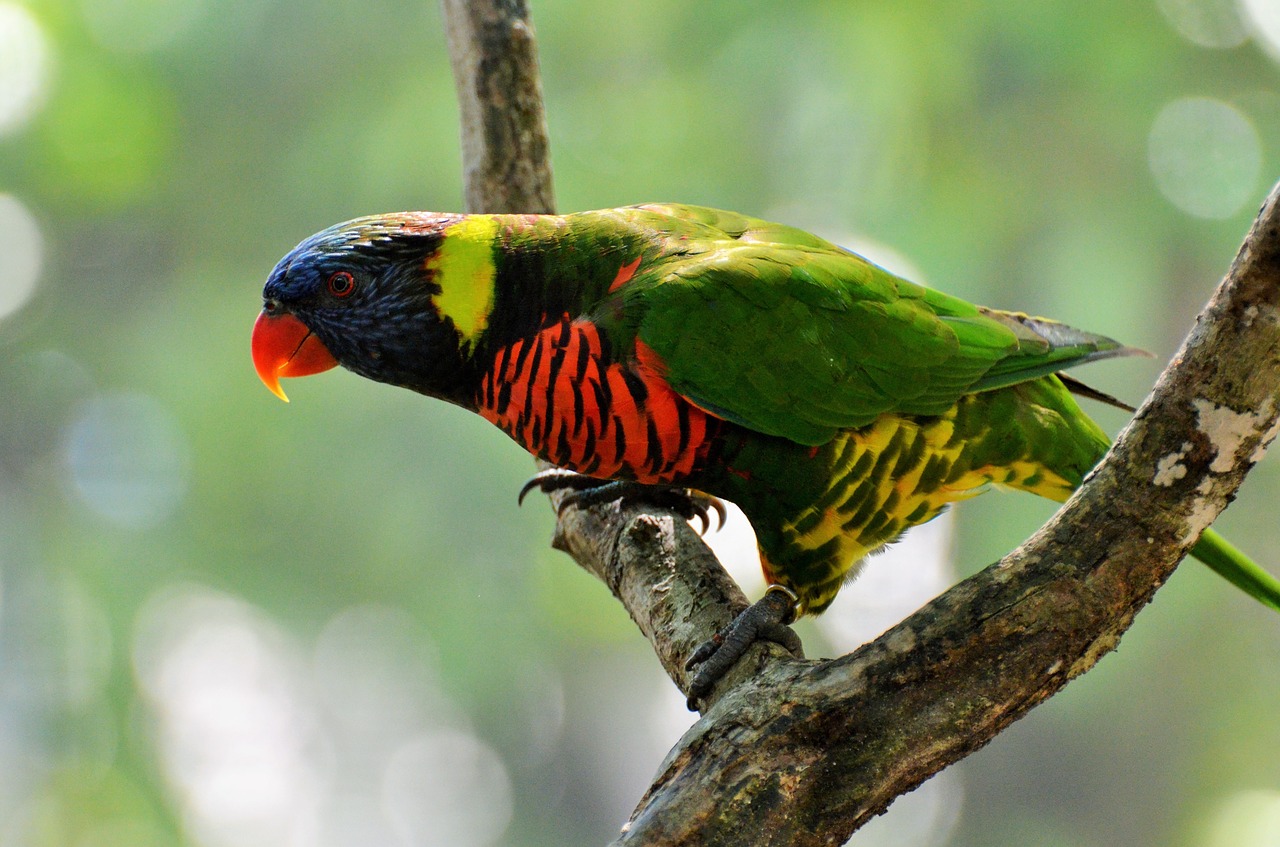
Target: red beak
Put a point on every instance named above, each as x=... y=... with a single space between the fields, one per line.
x=283 y=346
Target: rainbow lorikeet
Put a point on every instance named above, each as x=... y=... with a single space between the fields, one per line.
x=688 y=348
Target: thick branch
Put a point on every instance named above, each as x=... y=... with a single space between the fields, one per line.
x=801 y=753
x=808 y=752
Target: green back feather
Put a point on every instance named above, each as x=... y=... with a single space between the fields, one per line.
x=787 y=334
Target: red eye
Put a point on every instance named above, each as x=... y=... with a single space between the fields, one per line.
x=341 y=284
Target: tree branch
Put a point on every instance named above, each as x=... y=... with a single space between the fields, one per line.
x=800 y=752
x=807 y=752
x=506 y=168
x=506 y=158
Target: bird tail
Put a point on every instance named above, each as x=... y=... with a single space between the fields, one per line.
x=1237 y=568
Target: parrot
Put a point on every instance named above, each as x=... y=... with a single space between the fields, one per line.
x=691 y=355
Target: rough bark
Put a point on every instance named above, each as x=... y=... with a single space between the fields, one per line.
x=803 y=752
x=506 y=158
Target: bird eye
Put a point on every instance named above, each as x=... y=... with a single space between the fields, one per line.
x=341 y=284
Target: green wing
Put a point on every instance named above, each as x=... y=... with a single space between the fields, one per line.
x=782 y=332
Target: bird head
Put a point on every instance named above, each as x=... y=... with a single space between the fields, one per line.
x=361 y=294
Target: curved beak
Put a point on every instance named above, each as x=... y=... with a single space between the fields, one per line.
x=283 y=346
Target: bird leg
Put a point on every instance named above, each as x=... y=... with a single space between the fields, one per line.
x=585 y=491
x=767 y=619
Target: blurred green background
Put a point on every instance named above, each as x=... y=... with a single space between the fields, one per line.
x=229 y=622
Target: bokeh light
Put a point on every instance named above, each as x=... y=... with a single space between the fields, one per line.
x=1206 y=156
x=358 y=746
x=1263 y=19
x=128 y=459
x=1205 y=23
x=448 y=789
x=236 y=737
x=21 y=246
x=1246 y=819
x=376 y=678
x=24 y=66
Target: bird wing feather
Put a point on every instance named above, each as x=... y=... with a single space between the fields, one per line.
x=779 y=331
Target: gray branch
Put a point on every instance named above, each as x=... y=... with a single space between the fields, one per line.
x=803 y=752
x=506 y=167
x=506 y=158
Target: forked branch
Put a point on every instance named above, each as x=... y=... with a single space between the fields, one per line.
x=802 y=753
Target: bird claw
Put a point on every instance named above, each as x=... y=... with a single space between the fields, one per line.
x=767 y=619
x=585 y=491
x=715 y=504
x=558 y=479
x=687 y=503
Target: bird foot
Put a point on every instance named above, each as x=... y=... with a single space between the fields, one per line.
x=767 y=619
x=585 y=491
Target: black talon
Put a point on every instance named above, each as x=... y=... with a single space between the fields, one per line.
x=525 y=489
x=558 y=479
x=585 y=491
x=722 y=514
x=704 y=651
x=766 y=619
